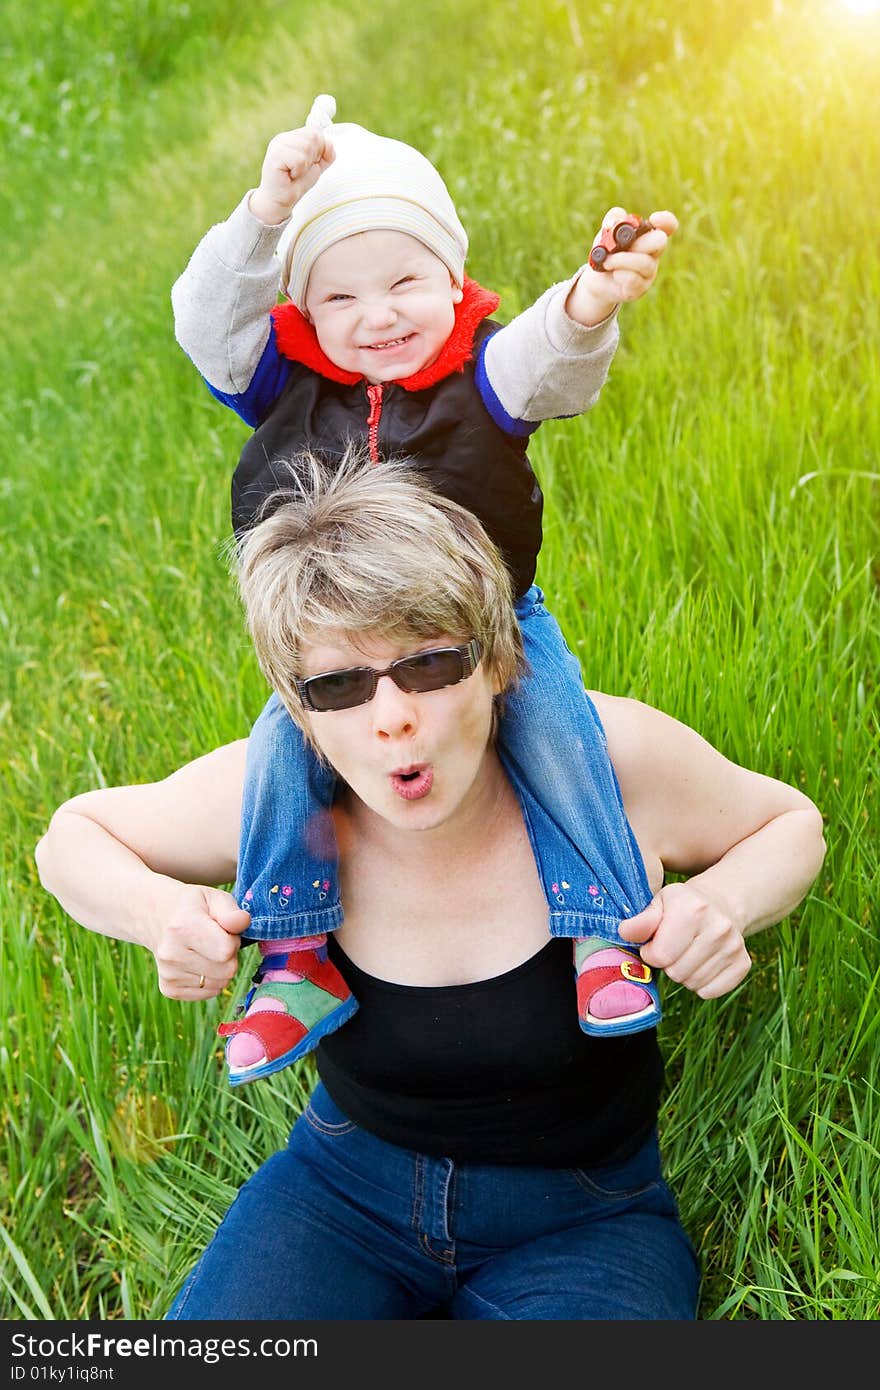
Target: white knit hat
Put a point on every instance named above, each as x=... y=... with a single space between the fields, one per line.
x=373 y=183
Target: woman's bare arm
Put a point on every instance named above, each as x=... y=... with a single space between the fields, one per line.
x=752 y=845
x=138 y=863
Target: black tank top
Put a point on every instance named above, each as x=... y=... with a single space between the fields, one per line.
x=498 y=1071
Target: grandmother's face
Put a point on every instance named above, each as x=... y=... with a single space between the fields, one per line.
x=414 y=758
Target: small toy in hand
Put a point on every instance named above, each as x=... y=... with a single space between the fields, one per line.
x=618 y=237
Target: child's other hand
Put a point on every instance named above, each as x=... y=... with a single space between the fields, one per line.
x=294 y=161
x=627 y=275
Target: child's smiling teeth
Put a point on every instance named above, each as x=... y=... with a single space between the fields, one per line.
x=389 y=343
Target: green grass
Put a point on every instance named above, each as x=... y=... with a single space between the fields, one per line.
x=711 y=548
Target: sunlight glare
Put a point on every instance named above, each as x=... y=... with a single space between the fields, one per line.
x=861 y=6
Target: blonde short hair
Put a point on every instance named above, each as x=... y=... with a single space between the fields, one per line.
x=364 y=549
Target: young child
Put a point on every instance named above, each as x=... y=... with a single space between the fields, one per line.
x=383 y=339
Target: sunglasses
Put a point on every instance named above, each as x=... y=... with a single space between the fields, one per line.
x=355 y=685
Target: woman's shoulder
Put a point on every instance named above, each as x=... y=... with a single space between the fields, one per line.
x=686 y=801
x=628 y=722
x=644 y=743
x=655 y=756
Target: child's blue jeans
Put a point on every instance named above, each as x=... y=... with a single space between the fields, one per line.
x=341 y=1225
x=552 y=745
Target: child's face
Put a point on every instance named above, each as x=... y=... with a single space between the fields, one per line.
x=382 y=304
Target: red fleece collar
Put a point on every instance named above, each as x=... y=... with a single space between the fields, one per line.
x=296 y=339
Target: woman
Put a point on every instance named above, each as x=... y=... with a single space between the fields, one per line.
x=467 y=1147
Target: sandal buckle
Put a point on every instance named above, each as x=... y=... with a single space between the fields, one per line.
x=628 y=969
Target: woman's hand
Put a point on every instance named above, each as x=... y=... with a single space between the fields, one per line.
x=293 y=163
x=199 y=940
x=626 y=275
x=695 y=942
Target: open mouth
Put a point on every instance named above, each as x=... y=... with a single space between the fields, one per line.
x=412 y=783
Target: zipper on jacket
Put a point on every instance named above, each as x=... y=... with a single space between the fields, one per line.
x=374 y=394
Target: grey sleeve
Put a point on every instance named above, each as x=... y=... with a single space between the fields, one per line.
x=223 y=299
x=543 y=365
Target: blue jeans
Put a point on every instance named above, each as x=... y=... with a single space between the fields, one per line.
x=341 y=1225
x=552 y=745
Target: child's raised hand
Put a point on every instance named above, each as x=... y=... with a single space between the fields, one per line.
x=625 y=276
x=294 y=161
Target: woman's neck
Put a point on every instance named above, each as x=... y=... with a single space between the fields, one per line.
x=458 y=902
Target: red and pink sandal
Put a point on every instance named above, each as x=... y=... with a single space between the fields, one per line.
x=614 y=966
x=294 y=1015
